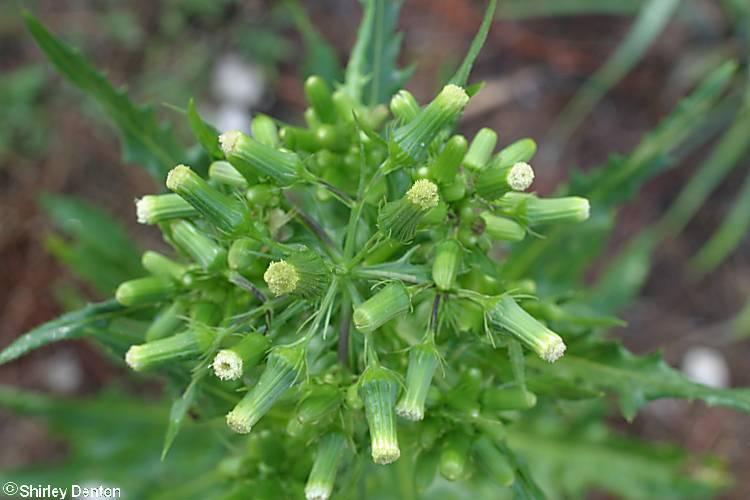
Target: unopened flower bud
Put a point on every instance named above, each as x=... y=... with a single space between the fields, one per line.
x=391 y=301
x=413 y=138
x=399 y=219
x=190 y=343
x=264 y=130
x=226 y=213
x=148 y=290
x=319 y=96
x=496 y=180
x=155 y=208
x=167 y=322
x=445 y=167
x=328 y=458
x=508 y=398
x=522 y=150
x=454 y=456
x=283 y=367
x=378 y=388
x=494 y=462
x=252 y=158
x=230 y=364
x=206 y=252
x=243 y=254
x=159 y=265
x=303 y=273
x=446 y=265
x=507 y=315
x=502 y=228
x=536 y=211
x=322 y=400
x=224 y=173
x=481 y=149
x=423 y=360
x=403 y=106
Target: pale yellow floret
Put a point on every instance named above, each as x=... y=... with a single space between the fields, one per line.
x=424 y=194
x=281 y=277
x=521 y=176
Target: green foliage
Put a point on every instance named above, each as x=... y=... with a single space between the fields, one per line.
x=21 y=130
x=145 y=142
x=97 y=248
x=462 y=74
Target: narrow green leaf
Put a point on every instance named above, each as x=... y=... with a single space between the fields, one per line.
x=179 y=409
x=729 y=235
x=650 y=22
x=521 y=9
x=145 y=142
x=207 y=136
x=637 y=380
x=372 y=75
x=68 y=326
x=462 y=74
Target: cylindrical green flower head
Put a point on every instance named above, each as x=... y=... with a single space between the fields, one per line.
x=494 y=462
x=243 y=254
x=264 y=130
x=155 y=208
x=226 y=213
x=423 y=360
x=507 y=315
x=536 y=211
x=496 y=180
x=446 y=265
x=320 y=401
x=403 y=106
x=399 y=219
x=319 y=96
x=206 y=252
x=391 y=301
x=303 y=273
x=378 y=388
x=230 y=364
x=508 y=398
x=502 y=228
x=159 y=265
x=190 y=343
x=455 y=456
x=148 y=290
x=413 y=138
x=328 y=458
x=252 y=158
x=445 y=167
x=283 y=367
x=223 y=172
x=481 y=149
x=522 y=150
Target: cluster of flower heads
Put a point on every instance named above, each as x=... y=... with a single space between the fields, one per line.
x=338 y=278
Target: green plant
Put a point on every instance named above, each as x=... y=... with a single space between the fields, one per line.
x=372 y=289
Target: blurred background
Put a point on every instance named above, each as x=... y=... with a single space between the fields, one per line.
x=240 y=57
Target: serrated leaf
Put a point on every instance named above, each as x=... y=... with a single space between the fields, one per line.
x=462 y=74
x=145 y=142
x=207 y=136
x=372 y=75
x=637 y=380
x=572 y=457
x=68 y=326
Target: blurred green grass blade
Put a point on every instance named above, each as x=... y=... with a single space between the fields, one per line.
x=651 y=20
x=732 y=147
x=637 y=380
x=688 y=117
x=100 y=250
x=519 y=9
x=372 y=75
x=741 y=323
x=68 y=326
x=321 y=58
x=145 y=142
x=625 y=276
x=462 y=74
x=207 y=136
x=729 y=235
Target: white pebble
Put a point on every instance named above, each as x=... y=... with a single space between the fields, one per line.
x=706 y=366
